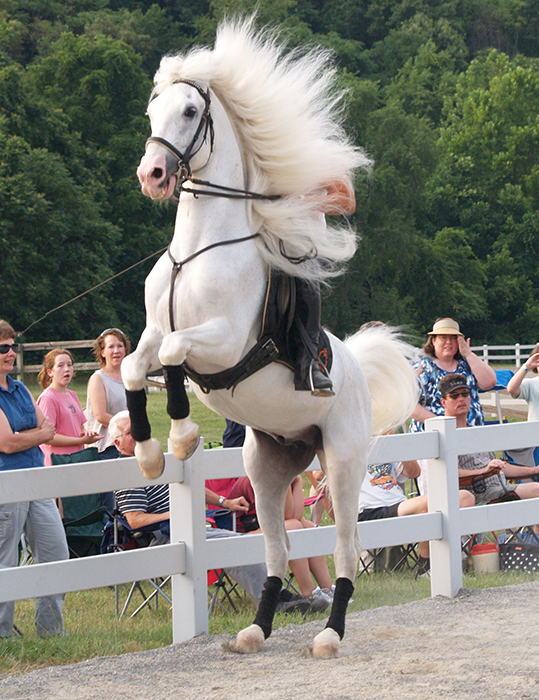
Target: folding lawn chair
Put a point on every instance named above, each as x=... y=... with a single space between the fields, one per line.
x=223 y=587
x=503 y=377
x=84 y=519
x=220 y=585
x=119 y=537
x=316 y=504
x=391 y=559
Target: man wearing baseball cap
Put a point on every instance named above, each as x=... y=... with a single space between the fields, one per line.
x=494 y=485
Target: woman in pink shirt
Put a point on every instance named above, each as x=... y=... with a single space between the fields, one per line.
x=62 y=406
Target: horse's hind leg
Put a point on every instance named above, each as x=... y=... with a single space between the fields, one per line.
x=134 y=367
x=345 y=465
x=271 y=468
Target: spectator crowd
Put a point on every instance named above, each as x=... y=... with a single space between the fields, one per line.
x=34 y=432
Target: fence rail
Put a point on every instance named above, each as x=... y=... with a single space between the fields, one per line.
x=50 y=345
x=510 y=353
x=190 y=555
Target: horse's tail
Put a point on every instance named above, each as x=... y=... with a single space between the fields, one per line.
x=386 y=363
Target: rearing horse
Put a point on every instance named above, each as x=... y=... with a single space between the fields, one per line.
x=260 y=128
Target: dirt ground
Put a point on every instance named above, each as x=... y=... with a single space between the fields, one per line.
x=482 y=645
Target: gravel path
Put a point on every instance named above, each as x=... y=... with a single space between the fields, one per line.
x=480 y=645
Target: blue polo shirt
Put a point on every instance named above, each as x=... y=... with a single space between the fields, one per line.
x=16 y=403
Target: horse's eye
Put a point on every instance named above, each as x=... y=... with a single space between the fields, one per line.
x=190 y=112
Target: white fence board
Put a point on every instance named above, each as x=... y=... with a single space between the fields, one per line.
x=404 y=447
x=76 y=479
x=499 y=516
x=91 y=572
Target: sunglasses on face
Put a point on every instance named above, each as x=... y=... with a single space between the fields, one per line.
x=456 y=394
x=5 y=348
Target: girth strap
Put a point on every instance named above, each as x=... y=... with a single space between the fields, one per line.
x=262 y=354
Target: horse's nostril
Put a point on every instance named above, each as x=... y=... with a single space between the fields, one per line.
x=157 y=173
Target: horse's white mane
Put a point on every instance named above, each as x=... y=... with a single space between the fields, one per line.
x=287 y=110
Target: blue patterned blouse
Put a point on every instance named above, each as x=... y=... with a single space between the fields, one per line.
x=429 y=380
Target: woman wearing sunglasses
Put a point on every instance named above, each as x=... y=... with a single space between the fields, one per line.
x=106 y=392
x=447 y=351
x=23 y=427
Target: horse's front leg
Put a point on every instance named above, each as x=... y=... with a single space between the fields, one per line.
x=183 y=432
x=134 y=368
x=210 y=342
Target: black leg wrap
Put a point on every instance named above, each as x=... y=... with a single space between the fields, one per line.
x=140 y=425
x=268 y=604
x=178 y=403
x=343 y=592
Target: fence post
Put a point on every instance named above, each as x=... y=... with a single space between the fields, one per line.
x=485 y=353
x=517 y=355
x=443 y=487
x=20 y=364
x=188 y=524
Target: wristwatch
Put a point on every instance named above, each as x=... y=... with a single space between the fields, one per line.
x=222 y=499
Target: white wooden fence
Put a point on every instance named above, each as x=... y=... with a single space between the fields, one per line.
x=504 y=353
x=50 y=345
x=189 y=555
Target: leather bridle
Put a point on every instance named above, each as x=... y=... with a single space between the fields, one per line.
x=183 y=171
x=206 y=123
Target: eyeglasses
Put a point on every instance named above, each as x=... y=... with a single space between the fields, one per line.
x=5 y=348
x=455 y=394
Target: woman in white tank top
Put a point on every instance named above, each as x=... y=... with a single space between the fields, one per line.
x=106 y=392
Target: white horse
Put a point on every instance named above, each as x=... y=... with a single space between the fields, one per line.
x=250 y=116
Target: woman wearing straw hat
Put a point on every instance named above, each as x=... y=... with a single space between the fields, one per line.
x=447 y=350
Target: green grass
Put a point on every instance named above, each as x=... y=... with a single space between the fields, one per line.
x=93 y=631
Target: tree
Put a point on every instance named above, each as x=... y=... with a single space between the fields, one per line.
x=53 y=242
x=103 y=77
x=487 y=182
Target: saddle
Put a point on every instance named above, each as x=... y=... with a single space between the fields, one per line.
x=277 y=340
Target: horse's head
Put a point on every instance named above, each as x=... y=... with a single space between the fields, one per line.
x=181 y=123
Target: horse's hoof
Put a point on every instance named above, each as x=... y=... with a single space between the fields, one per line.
x=249 y=640
x=184 y=438
x=326 y=645
x=150 y=458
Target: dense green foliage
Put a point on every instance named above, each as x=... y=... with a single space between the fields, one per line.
x=443 y=94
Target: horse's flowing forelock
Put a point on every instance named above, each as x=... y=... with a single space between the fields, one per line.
x=287 y=110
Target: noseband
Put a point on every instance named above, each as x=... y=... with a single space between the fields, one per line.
x=206 y=122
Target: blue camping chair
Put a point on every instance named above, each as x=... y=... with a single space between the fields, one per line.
x=503 y=377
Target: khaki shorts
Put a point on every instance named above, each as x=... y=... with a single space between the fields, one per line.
x=491 y=493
